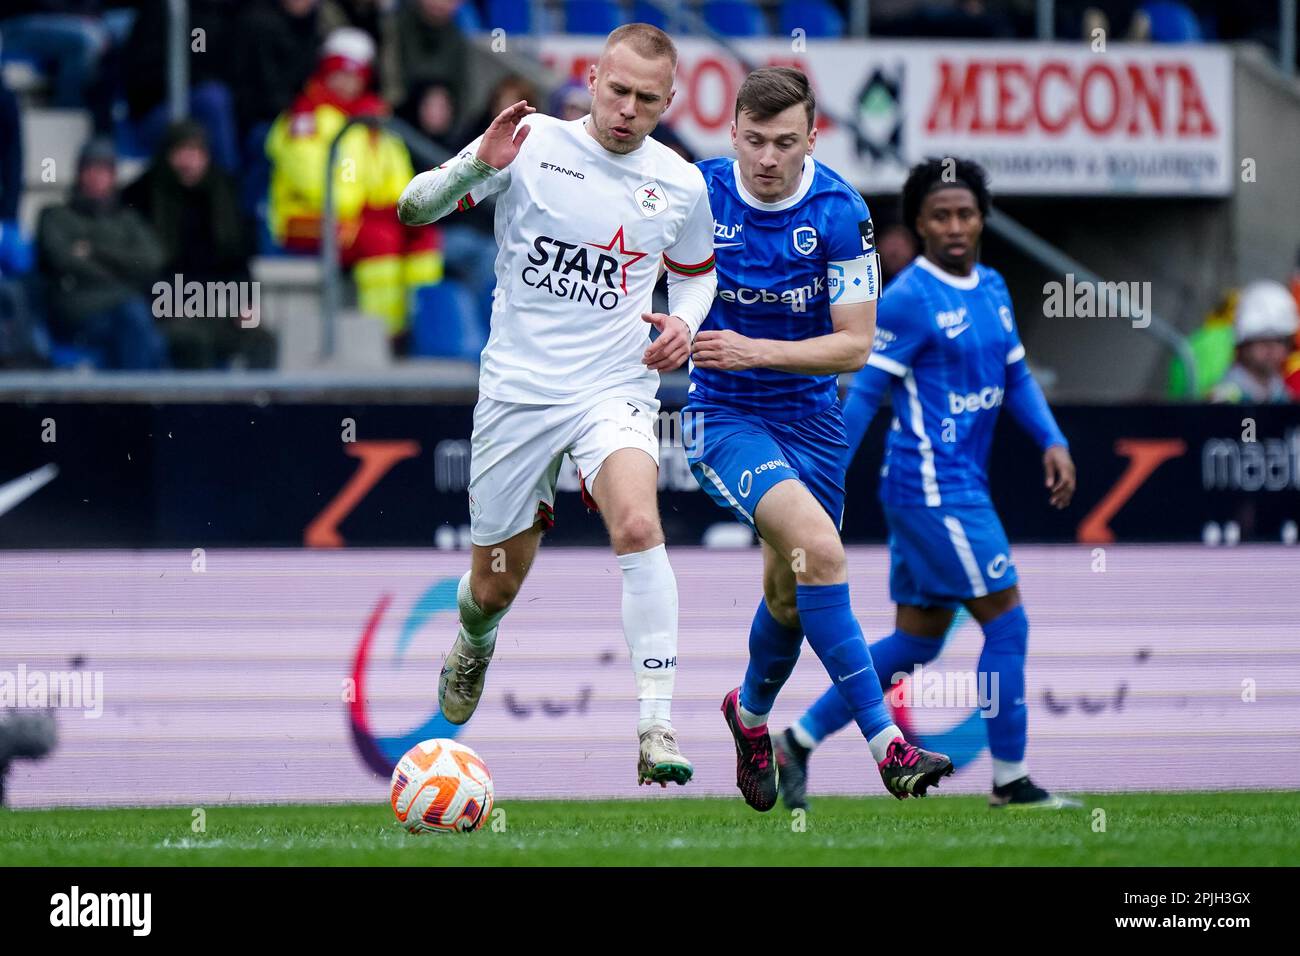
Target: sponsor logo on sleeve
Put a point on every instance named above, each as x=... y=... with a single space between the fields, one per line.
x=868 y=232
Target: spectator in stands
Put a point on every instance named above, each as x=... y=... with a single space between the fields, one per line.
x=571 y=101
x=389 y=259
x=193 y=209
x=277 y=44
x=11 y=181
x=431 y=48
x=946 y=18
x=1214 y=346
x=23 y=342
x=509 y=89
x=897 y=247
x=67 y=37
x=1265 y=326
x=100 y=259
x=431 y=108
x=211 y=100
x=379 y=19
x=469 y=245
x=1291 y=372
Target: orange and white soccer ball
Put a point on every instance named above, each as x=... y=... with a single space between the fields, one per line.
x=441 y=786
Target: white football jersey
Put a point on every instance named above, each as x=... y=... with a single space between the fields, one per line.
x=581 y=232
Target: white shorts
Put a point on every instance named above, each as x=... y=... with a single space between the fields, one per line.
x=516 y=452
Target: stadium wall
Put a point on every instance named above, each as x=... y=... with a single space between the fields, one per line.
x=301 y=676
x=99 y=475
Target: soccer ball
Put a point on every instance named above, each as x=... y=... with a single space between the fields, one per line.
x=441 y=786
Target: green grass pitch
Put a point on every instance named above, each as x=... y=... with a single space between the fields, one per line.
x=1221 y=829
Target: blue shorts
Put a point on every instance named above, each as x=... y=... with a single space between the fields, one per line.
x=736 y=456
x=940 y=557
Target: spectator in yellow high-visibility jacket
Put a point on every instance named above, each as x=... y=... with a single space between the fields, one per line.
x=372 y=168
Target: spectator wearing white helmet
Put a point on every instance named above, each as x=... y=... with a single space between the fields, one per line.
x=1265 y=324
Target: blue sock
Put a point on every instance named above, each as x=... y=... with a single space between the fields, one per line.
x=773 y=650
x=899 y=651
x=828 y=622
x=1006 y=641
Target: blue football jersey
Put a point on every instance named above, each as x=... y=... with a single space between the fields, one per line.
x=780 y=267
x=948 y=341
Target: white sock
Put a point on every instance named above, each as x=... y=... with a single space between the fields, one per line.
x=751 y=719
x=802 y=736
x=879 y=744
x=478 y=629
x=650 y=627
x=1005 y=771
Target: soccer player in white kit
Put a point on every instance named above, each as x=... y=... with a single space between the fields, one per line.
x=587 y=210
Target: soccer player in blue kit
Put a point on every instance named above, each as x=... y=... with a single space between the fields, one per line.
x=948 y=351
x=798 y=277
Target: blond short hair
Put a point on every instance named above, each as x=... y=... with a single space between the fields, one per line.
x=648 y=41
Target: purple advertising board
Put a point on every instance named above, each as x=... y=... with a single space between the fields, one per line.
x=290 y=675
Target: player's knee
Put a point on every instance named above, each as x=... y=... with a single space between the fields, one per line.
x=636 y=532
x=819 y=559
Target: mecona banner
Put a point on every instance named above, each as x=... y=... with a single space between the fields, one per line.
x=191 y=677
x=1044 y=118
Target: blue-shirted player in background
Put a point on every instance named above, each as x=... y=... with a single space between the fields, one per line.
x=947 y=349
x=797 y=281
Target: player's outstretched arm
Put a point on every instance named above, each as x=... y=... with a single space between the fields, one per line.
x=432 y=194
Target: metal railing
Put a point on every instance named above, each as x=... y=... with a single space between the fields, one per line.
x=178 y=60
x=1059 y=263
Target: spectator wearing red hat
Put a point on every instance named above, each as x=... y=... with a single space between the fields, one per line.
x=388 y=259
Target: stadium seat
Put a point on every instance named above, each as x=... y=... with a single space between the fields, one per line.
x=1172 y=23
x=735 y=18
x=513 y=16
x=592 y=17
x=468 y=19
x=74 y=356
x=817 y=18
x=442 y=325
x=643 y=12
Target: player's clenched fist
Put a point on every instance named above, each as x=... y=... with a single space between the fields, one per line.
x=726 y=349
x=673 y=345
x=503 y=138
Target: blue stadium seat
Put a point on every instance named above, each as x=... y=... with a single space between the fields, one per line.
x=72 y=356
x=593 y=17
x=468 y=19
x=817 y=18
x=1172 y=23
x=513 y=16
x=443 y=324
x=735 y=18
x=129 y=141
x=643 y=12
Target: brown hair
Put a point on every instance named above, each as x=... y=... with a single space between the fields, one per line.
x=648 y=41
x=774 y=89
